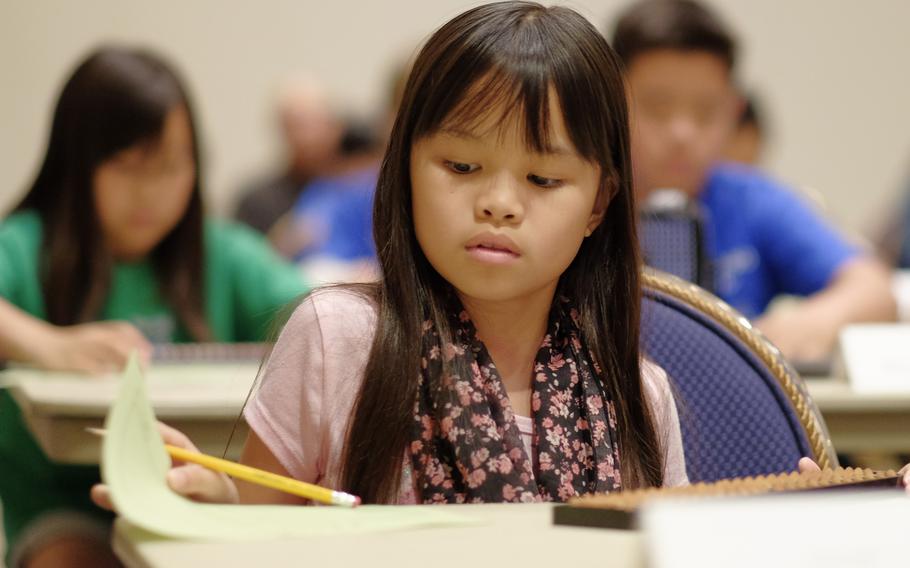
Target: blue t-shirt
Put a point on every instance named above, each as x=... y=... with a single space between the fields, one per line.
x=337 y=213
x=765 y=240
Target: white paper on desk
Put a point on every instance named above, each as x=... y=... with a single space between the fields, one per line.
x=134 y=465
x=830 y=529
x=877 y=357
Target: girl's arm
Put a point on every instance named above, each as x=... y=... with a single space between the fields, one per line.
x=22 y=337
x=860 y=291
x=91 y=347
x=256 y=454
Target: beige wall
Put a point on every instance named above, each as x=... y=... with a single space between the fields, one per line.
x=835 y=76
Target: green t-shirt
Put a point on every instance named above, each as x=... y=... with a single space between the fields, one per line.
x=246 y=285
x=246 y=282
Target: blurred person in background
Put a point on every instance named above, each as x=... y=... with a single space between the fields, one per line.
x=331 y=224
x=764 y=240
x=312 y=135
x=109 y=251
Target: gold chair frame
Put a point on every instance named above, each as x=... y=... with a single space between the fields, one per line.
x=789 y=380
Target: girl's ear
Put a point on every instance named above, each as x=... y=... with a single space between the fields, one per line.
x=604 y=195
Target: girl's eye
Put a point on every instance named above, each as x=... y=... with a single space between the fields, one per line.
x=461 y=167
x=544 y=182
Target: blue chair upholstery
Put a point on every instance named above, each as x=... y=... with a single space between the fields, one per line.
x=743 y=411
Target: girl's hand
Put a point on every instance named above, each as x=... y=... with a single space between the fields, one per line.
x=190 y=480
x=95 y=348
x=905 y=471
x=806 y=464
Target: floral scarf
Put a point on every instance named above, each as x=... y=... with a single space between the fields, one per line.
x=466 y=446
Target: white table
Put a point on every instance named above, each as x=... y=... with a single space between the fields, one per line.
x=512 y=535
x=202 y=400
x=863 y=422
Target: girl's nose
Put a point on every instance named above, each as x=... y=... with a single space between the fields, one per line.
x=500 y=203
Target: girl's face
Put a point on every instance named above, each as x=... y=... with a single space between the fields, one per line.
x=142 y=192
x=497 y=220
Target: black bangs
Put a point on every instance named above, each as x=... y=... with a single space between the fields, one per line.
x=122 y=103
x=509 y=100
x=504 y=70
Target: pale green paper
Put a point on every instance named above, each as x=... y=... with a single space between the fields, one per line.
x=134 y=464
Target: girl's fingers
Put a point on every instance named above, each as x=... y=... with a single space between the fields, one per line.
x=93 y=357
x=114 y=351
x=101 y=496
x=130 y=334
x=92 y=362
x=175 y=437
x=807 y=465
x=114 y=342
x=201 y=484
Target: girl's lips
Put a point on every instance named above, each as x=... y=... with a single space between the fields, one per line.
x=491 y=248
x=491 y=242
x=491 y=255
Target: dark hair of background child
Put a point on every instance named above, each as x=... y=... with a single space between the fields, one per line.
x=678 y=25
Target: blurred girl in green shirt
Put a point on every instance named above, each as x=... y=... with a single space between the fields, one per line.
x=107 y=252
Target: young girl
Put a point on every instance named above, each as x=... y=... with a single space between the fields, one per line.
x=498 y=357
x=113 y=229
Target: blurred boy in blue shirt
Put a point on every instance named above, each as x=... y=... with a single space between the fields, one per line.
x=764 y=239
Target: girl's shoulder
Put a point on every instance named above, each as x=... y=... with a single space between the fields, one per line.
x=310 y=382
x=21 y=234
x=23 y=225
x=659 y=394
x=342 y=316
x=655 y=381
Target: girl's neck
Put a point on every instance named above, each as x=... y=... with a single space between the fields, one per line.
x=512 y=332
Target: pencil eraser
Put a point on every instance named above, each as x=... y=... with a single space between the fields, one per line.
x=356 y=501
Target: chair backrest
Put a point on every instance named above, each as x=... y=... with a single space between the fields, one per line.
x=672 y=238
x=743 y=410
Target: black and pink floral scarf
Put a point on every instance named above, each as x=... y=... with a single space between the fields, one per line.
x=466 y=446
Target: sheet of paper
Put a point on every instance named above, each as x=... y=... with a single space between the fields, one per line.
x=134 y=465
x=832 y=529
x=877 y=357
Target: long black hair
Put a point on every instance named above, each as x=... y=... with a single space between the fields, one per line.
x=508 y=53
x=116 y=98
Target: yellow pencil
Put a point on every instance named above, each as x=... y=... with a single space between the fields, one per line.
x=259 y=477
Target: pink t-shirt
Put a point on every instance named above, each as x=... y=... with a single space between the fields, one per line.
x=307 y=392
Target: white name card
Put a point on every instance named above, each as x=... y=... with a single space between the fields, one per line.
x=877 y=357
